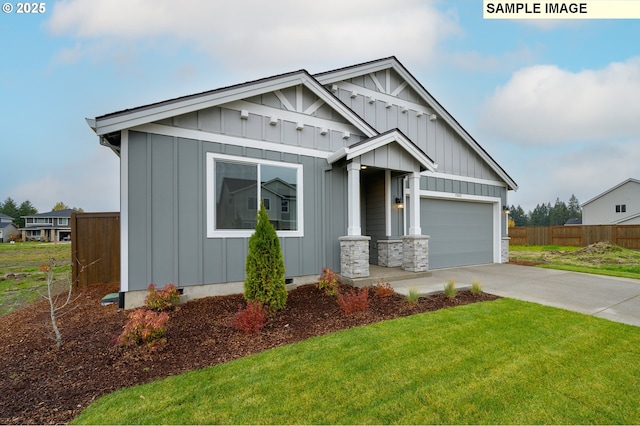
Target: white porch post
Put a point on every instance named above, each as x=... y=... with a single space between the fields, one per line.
x=415 y=246
x=353 y=199
x=414 y=206
x=354 y=248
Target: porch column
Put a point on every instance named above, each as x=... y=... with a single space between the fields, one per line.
x=414 y=205
x=354 y=247
x=353 y=199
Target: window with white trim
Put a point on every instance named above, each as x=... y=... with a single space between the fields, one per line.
x=63 y=221
x=234 y=184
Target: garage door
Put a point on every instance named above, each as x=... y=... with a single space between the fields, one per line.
x=461 y=233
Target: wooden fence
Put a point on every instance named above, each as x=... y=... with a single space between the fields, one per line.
x=581 y=235
x=95 y=248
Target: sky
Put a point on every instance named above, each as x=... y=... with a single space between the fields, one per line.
x=555 y=103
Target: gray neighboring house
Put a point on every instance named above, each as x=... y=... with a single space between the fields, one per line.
x=7 y=228
x=53 y=226
x=360 y=165
x=619 y=205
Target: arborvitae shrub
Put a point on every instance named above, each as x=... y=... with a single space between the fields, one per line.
x=265 y=266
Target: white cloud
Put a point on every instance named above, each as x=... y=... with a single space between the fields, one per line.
x=546 y=105
x=91 y=183
x=475 y=61
x=584 y=170
x=274 y=34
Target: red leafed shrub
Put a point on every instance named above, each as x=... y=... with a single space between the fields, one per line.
x=145 y=327
x=354 y=300
x=251 y=319
x=383 y=290
x=162 y=300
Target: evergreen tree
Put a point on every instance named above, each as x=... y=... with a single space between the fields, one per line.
x=558 y=214
x=540 y=215
x=25 y=209
x=574 y=209
x=518 y=215
x=265 y=266
x=10 y=208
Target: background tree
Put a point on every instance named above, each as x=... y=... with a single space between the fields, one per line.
x=518 y=216
x=60 y=206
x=10 y=208
x=540 y=215
x=25 y=209
x=574 y=209
x=265 y=266
x=559 y=213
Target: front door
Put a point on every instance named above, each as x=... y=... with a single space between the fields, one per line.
x=372 y=186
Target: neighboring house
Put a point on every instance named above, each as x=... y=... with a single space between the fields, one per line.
x=51 y=226
x=619 y=205
x=7 y=228
x=355 y=166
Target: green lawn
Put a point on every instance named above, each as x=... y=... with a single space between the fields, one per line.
x=19 y=266
x=499 y=362
x=608 y=260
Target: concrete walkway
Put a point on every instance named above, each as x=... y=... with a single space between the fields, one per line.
x=616 y=299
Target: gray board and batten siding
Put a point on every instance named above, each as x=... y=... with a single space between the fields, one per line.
x=173 y=245
x=435 y=137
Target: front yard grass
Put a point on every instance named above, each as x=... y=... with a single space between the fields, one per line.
x=21 y=281
x=601 y=258
x=500 y=362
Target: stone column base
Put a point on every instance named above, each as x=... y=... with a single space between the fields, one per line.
x=415 y=253
x=354 y=256
x=504 y=250
x=390 y=253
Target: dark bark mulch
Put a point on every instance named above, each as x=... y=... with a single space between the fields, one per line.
x=41 y=384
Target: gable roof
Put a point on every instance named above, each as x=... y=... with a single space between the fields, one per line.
x=383 y=139
x=392 y=62
x=4 y=216
x=66 y=213
x=108 y=126
x=626 y=219
x=610 y=190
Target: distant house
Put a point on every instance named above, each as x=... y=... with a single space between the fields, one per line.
x=51 y=226
x=7 y=228
x=619 y=205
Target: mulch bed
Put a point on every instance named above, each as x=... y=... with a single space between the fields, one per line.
x=41 y=384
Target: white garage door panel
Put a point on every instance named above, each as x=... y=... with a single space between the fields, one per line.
x=461 y=233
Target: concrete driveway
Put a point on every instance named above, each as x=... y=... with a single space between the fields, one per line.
x=616 y=299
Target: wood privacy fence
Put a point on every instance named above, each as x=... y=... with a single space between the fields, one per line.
x=576 y=235
x=95 y=248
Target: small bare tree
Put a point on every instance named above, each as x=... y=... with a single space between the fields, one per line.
x=58 y=300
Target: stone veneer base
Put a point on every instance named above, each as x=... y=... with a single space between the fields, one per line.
x=354 y=256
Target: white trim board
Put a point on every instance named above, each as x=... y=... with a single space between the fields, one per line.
x=440 y=175
x=124 y=210
x=200 y=135
x=212 y=232
x=497 y=214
